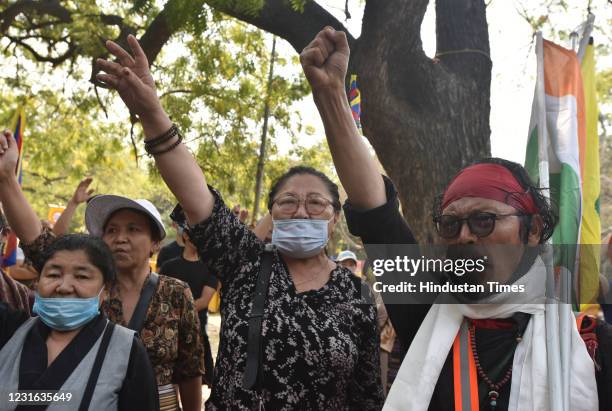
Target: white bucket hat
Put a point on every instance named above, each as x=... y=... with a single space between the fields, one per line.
x=101 y=207
x=346 y=255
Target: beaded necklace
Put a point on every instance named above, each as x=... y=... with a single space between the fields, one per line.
x=493 y=388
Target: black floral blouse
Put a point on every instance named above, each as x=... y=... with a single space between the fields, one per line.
x=320 y=347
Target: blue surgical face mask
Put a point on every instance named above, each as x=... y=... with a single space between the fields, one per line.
x=300 y=238
x=65 y=314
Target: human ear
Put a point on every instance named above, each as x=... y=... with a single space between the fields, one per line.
x=535 y=230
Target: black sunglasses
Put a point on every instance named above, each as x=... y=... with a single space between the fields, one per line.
x=481 y=224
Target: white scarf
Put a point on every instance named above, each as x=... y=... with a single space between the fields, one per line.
x=420 y=370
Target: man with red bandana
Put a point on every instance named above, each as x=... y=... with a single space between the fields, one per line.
x=492 y=205
x=464 y=356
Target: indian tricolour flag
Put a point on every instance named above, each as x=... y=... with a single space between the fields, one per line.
x=558 y=119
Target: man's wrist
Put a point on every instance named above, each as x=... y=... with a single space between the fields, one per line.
x=333 y=107
x=326 y=94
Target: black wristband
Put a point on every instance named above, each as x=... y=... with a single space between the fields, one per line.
x=161 y=139
x=167 y=149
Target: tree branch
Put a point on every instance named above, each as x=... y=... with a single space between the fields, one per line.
x=277 y=17
x=114 y=20
x=47 y=180
x=391 y=37
x=46 y=59
x=100 y=101
x=49 y=7
x=179 y=91
x=158 y=33
x=463 y=39
x=133 y=140
x=346 y=10
x=154 y=38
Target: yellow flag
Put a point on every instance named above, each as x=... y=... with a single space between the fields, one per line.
x=590 y=231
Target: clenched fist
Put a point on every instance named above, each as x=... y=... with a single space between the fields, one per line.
x=9 y=155
x=325 y=60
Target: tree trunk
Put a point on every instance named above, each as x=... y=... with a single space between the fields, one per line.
x=425 y=118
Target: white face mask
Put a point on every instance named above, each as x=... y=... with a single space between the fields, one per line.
x=300 y=238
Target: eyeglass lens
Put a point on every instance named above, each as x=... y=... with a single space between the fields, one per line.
x=480 y=224
x=314 y=204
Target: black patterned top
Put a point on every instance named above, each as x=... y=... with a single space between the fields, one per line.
x=320 y=347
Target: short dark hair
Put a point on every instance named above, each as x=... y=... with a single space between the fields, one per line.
x=95 y=248
x=300 y=170
x=545 y=208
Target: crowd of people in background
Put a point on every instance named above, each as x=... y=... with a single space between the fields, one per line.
x=301 y=327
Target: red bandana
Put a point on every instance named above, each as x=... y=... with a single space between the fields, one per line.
x=491 y=181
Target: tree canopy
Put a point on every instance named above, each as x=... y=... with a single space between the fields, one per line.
x=210 y=61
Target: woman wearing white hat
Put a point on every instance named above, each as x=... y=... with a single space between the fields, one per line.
x=169 y=326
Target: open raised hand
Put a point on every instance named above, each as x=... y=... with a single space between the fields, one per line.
x=325 y=60
x=81 y=194
x=131 y=77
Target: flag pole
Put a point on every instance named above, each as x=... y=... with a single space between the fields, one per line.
x=566 y=316
x=551 y=312
x=586 y=34
x=565 y=304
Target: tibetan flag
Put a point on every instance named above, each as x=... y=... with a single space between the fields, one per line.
x=9 y=254
x=590 y=230
x=565 y=132
x=354 y=97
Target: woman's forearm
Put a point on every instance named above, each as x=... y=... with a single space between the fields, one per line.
x=18 y=211
x=202 y=302
x=180 y=171
x=63 y=222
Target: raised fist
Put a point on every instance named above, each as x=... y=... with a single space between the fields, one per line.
x=325 y=60
x=9 y=155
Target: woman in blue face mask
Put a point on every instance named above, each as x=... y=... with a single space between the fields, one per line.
x=315 y=347
x=69 y=346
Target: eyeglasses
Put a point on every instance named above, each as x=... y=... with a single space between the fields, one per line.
x=314 y=204
x=480 y=224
